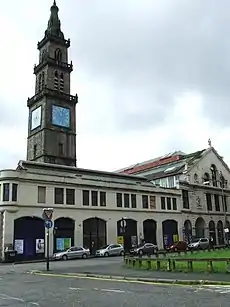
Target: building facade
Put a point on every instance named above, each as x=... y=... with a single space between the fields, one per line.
x=204 y=181
x=88 y=208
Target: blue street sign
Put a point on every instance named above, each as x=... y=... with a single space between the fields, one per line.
x=48 y=224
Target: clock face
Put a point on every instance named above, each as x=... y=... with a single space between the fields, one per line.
x=36 y=118
x=60 y=116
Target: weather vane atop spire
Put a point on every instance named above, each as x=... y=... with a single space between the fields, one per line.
x=54 y=2
x=209 y=142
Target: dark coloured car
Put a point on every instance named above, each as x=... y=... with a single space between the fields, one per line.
x=144 y=249
x=180 y=246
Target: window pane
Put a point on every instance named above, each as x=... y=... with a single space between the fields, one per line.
x=163 y=203
x=59 y=196
x=6 y=191
x=94 y=198
x=209 y=202
x=174 y=203
x=14 y=192
x=185 y=199
x=103 y=199
x=169 y=205
x=119 y=200
x=126 y=200
x=152 y=202
x=70 y=196
x=145 y=202
x=85 y=196
x=41 y=195
x=133 y=200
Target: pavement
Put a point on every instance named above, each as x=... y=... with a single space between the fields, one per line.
x=63 y=286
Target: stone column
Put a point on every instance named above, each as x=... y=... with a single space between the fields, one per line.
x=8 y=231
x=160 y=235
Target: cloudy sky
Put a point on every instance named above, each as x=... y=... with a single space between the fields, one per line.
x=152 y=76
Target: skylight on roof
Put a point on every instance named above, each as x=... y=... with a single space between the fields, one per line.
x=170 y=169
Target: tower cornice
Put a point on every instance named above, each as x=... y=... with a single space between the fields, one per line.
x=53 y=39
x=46 y=92
x=53 y=63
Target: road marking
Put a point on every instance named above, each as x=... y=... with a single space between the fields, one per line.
x=77 y=289
x=113 y=290
x=12 y=298
x=97 y=289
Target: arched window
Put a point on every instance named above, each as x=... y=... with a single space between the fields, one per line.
x=56 y=80
x=58 y=55
x=40 y=83
x=61 y=82
x=43 y=79
x=206 y=178
x=214 y=175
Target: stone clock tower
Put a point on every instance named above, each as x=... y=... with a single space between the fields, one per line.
x=52 y=122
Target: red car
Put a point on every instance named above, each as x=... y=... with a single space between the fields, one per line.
x=180 y=246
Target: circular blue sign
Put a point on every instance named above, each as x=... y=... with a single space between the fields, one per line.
x=48 y=224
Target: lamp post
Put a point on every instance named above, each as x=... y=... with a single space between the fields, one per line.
x=123 y=225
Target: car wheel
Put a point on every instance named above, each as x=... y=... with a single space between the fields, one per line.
x=64 y=257
x=84 y=256
x=106 y=254
x=122 y=253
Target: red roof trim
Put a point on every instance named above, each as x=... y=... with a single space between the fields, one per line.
x=149 y=165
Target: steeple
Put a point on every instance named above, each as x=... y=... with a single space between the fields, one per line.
x=54 y=24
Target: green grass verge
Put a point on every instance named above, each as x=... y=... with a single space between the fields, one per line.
x=182 y=266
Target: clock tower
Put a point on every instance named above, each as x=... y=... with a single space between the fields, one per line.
x=52 y=119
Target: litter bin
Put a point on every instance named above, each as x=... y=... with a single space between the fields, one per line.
x=10 y=256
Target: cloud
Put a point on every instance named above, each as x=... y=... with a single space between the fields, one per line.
x=151 y=76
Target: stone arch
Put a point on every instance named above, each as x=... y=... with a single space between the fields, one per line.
x=220 y=232
x=170 y=232
x=200 y=227
x=29 y=238
x=58 y=55
x=150 y=231
x=94 y=233
x=129 y=233
x=212 y=231
x=188 y=230
x=64 y=228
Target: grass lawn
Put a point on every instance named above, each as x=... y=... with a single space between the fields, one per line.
x=198 y=266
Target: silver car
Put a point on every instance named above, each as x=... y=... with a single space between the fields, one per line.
x=201 y=243
x=72 y=253
x=110 y=250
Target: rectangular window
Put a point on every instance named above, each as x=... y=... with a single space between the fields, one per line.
x=85 y=196
x=103 y=199
x=174 y=203
x=60 y=149
x=217 y=202
x=185 y=199
x=126 y=200
x=163 y=203
x=209 y=201
x=169 y=204
x=70 y=196
x=94 y=198
x=41 y=195
x=225 y=204
x=119 y=200
x=152 y=202
x=133 y=200
x=59 y=196
x=14 y=192
x=35 y=151
x=145 y=202
x=6 y=191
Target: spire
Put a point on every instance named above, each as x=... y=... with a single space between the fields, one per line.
x=54 y=24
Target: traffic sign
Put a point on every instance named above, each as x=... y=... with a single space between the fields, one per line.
x=48 y=224
x=47 y=214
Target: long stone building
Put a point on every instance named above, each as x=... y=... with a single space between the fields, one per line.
x=203 y=178
x=88 y=205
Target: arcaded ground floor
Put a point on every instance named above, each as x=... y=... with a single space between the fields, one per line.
x=24 y=229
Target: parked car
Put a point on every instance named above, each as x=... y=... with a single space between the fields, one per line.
x=110 y=250
x=144 y=249
x=72 y=253
x=179 y=246
x=200 y=243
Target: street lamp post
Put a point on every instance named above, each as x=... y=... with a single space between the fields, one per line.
x=123 y=225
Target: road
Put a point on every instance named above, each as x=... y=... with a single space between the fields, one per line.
x=20 y=288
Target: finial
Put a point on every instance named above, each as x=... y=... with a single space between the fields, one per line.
x=55 y=3
x=209 y=142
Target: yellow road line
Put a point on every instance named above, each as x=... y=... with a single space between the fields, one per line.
x=112 y=279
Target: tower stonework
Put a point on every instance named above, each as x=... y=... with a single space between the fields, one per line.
x=52 y=117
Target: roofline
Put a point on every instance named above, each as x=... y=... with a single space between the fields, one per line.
x=24 y=164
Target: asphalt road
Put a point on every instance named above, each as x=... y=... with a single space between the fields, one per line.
x=20 y=289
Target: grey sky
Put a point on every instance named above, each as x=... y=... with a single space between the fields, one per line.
x=133 y=60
